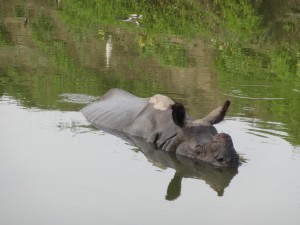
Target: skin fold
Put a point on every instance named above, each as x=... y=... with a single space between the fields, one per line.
x=165 y=124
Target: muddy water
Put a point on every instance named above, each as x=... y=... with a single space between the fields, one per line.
x=57 y=169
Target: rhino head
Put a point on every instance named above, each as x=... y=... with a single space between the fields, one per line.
x=199 y=139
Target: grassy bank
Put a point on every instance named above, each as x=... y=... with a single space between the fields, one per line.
x=246 y=46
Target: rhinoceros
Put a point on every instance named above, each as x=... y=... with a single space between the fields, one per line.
x=165 y=124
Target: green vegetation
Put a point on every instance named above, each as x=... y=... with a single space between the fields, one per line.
x=43 y=89
x=167 y=53
x=4 y=36
x=19 y=11
x=274 y=106
x=237 y=21
x=62 y=74
x=63 y=51
x=232 y=25
x=245 y=63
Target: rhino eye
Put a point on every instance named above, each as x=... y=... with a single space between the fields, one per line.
x=220 y=160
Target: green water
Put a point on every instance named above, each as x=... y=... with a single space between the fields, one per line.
x=58 y=169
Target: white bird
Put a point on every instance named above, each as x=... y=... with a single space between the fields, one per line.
x=134 y=18
x=26 y=21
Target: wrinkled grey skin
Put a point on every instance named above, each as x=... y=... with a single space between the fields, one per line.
x=195 y=139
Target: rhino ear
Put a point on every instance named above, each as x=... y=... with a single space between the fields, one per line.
x=218 y=114
x=178 y=114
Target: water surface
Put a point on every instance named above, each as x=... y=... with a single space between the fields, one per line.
x=55 y=168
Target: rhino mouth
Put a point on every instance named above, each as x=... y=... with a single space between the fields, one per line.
x=218 y=152
x=225 y=155
x=233 y=161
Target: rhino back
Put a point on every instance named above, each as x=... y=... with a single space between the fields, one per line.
x=117 y=109
x=143 y=117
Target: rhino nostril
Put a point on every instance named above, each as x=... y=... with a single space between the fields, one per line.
x=199 y=149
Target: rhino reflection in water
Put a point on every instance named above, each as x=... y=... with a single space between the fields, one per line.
x=164 y=124
x=160 y=128
x=218 y=178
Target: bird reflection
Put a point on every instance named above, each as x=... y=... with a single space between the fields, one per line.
x=108 y=50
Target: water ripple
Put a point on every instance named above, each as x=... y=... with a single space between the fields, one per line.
x=78 y=98
x=253 y=98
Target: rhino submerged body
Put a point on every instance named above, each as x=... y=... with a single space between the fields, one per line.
x=165 y=124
